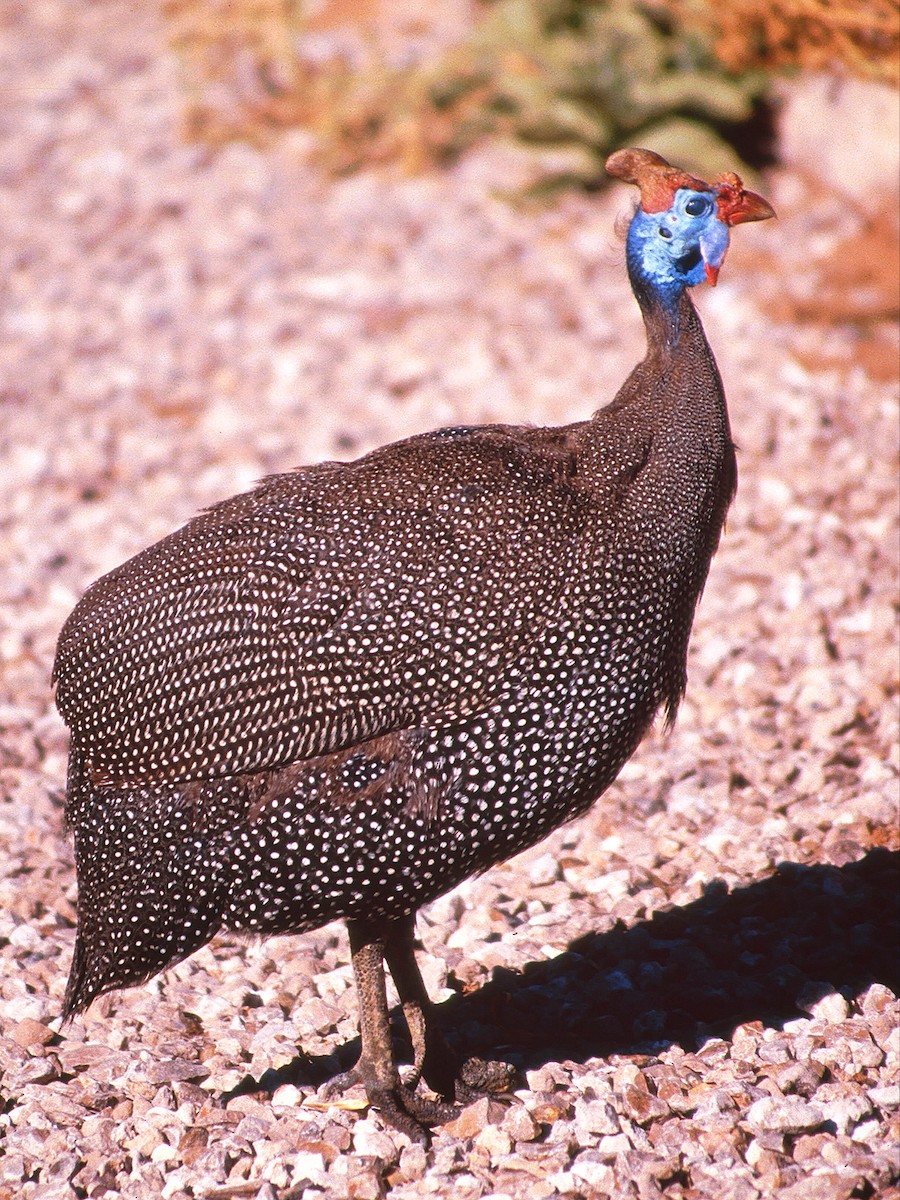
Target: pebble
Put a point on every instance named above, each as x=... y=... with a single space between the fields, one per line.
x=823 y=1185
x=877 y=999
x=544 y=870
x=641 y=1106
x=803 y=1078
x=29 y=1032
x=495 y=1140
x=168 y=1071
x=519 y=1124
x=563 y=1183
x=307 y=1165
x=822 y=1002
x=596 y=1116
x=590 y=1168
x=885 y=1097
x=370 y=1139
x=36 y=1070
x=843 y=1104
x=866 y=1131
x=287 y=1096
x=786 y=1115
x=612 y=1144
x=413 y=1161
x=474 y=1117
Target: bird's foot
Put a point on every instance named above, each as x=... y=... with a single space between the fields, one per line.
x=399 y=1104
x=479 y=1077
x=434 y=1062
x=402 y=1106
x=338 y=1084
x=409 y=1112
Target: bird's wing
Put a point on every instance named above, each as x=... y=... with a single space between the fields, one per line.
x=323 y=608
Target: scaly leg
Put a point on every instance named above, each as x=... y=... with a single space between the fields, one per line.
x=433 y=1060
x=371 y=943
x=377 y=1068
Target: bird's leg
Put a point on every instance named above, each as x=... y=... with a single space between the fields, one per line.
x=377 y=1068
x=371 y=944
x=433 y=1060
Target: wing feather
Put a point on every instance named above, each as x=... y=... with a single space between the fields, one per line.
x=323 y=608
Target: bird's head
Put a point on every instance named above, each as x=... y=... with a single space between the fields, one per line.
x=680 y=232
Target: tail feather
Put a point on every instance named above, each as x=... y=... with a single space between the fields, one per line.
x=151 y=882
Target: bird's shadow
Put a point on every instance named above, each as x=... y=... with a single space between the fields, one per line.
x=684 y=975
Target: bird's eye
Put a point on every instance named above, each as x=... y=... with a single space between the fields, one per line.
x=664 y=232
x=696 y=206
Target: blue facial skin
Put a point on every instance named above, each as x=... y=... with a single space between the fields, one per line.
x=670 y=250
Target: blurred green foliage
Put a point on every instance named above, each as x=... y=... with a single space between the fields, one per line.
x=567 y=81
x=594 y=75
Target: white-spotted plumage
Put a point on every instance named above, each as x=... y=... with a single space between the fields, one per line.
x=344 y=692
x=405 y=710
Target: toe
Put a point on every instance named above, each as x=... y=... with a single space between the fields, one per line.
x=478 y=1076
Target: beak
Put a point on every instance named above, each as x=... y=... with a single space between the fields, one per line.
x=712 y=274
x=750 y=207
x=736 y=205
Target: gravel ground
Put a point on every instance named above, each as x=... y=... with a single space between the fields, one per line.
x=698 y=979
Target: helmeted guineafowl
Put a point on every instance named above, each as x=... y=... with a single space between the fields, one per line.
x=344 y=692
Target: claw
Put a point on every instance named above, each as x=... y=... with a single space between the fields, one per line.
x=332 y=1088
x=479 y=1077
x=398 y=1103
